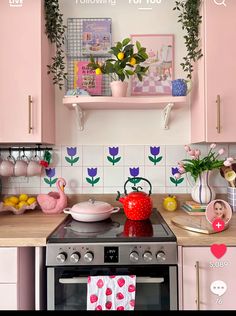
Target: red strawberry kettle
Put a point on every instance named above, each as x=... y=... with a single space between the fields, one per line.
x=137 y=204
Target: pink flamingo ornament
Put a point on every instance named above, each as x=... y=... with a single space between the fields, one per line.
x=54 y=202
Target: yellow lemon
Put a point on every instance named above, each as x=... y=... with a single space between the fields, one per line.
x=13 y=199
x=6 y=199
x=23 y=197
x=121 y=56
x=31 y=200
x=98 y=71
x=17 y=206
x=132 y=61
x=9 y=203
x=22 y=203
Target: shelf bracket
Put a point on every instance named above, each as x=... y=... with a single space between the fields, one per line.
x=166 y=115
x=79 y=116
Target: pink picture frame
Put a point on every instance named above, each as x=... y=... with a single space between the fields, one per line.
x=160 y=49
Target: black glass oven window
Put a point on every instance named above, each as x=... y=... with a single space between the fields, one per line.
x=111 y=254
x=149 y=296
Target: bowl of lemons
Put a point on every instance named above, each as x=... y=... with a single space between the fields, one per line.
x=18 y=204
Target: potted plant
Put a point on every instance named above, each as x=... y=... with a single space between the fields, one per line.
x=123 y=63
x=190 y=19
x=200 y=169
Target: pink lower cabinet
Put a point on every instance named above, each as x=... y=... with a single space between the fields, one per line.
x=198 y=270
x=17 y=278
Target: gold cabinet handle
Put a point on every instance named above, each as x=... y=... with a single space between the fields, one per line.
x=218 y=102
x=30 y=102
x=197 y=285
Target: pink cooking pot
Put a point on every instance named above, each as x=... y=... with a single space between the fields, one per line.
x=91 y=211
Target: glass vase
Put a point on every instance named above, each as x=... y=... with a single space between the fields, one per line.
x=202 y=192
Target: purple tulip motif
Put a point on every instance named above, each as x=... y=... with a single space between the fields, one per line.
x=174 y=180
x=50 y=173
x=92 y=172
x=134 y=172
x=72 y=152
x=155 y=151
x=113 y=152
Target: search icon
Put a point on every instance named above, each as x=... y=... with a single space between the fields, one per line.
x=220 y=2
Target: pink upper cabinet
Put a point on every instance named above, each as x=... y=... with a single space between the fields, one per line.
x=24 y=55
x=213 y=96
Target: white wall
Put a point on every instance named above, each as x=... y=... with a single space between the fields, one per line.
x=126 y=127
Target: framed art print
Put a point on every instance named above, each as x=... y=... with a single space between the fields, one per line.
x=160 y=50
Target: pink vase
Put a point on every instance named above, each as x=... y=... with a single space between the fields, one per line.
x=119 y=88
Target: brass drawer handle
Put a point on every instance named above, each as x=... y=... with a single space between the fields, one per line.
x=218 y=102
x=30 y=101
x=197 y=285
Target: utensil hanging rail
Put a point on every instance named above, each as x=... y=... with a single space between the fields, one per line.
x=22 y=148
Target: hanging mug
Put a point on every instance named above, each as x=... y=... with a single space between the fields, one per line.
x=181 y=87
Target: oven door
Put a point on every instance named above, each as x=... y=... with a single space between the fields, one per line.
x=156 y=286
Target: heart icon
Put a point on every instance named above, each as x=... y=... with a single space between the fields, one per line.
x=218 y=250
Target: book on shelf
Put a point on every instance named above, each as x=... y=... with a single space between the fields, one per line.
x=195 y=212
x=195 y=205
x=96 y=37
x=190 y=209
x=85 y=78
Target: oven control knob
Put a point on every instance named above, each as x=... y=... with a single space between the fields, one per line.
x=134 y=256
x=161 y=256
x=74 y=258
x=147 y=256
x=88 y=257
x=61 y=257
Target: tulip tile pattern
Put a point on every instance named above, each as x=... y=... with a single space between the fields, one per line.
x=90 y=169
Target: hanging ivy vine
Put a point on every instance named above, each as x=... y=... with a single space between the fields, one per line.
x=55 y=30
x=190 y=18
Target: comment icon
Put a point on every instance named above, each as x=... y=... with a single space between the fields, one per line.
x=218 y=287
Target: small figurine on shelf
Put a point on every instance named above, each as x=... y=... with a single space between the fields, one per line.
x=54 y=202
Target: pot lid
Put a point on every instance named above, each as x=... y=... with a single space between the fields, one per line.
x=92 y=207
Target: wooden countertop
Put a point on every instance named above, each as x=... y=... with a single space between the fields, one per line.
x=29 y=229
x=189 y=238
x=33 y=227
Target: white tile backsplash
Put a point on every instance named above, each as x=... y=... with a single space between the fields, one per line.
x=156 y=175
x=113 y=177
x=93 y=156
x=134 y=155
x=175 y=154
x=162 y=154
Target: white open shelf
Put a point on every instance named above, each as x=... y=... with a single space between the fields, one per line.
x=82 y=103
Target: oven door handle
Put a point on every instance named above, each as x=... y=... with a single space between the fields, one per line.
x=81 y=280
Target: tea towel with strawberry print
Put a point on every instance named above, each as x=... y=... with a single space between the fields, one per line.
x=114 y=292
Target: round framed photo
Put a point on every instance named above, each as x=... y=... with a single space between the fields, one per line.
x=218 y=209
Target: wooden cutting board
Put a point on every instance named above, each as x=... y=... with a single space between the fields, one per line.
x=198 y=224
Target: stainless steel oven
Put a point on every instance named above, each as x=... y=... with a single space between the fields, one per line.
x=74 y=253
x=156 y=286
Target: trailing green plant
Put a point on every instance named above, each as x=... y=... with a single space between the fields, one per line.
x=190 y=19
x=55 y=32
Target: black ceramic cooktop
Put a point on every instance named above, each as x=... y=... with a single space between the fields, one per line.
x=115 y=229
